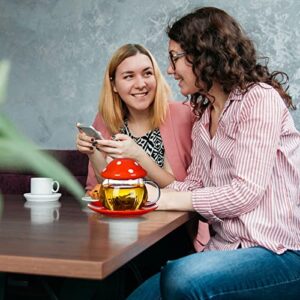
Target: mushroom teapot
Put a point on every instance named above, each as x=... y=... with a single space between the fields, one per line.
x=124 y=187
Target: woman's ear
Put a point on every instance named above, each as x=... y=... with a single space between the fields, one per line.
x=114 y=87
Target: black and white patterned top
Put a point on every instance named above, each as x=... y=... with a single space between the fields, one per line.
x=151 y=143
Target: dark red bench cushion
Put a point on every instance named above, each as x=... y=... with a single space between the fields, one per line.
x=14 y=182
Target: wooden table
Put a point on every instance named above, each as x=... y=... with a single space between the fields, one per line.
x=81 y=243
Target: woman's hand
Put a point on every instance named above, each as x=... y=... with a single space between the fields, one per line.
x=84 y=143
x=121 y=146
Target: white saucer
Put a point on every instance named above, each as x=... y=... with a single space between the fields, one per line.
x=89 y=199
x=42 y=198
x=42 y=204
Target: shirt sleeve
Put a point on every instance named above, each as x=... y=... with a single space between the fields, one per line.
x=254 y=156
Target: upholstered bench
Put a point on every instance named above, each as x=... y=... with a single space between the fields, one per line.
x=14 y=182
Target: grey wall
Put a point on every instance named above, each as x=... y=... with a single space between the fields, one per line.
x=59 y=49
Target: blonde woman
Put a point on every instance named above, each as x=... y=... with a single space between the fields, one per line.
x=138 y=120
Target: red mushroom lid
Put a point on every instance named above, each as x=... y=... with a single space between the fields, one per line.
x=123 y=168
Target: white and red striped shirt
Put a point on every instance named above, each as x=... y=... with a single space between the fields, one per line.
x=246 y=179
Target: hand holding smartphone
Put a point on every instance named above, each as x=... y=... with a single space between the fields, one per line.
x=90 y=131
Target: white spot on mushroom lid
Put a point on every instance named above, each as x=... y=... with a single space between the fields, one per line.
x=123 y=169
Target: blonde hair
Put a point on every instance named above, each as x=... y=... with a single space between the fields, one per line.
x=111 y=107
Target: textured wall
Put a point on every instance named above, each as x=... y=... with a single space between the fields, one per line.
x=59 y=49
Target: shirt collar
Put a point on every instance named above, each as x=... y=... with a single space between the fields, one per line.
x=234 y=95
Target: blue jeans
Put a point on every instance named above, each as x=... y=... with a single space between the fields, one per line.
x=251 y=273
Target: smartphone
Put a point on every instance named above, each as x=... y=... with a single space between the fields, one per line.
x=90 y=131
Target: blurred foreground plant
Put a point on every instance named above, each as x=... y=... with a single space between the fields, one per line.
x=18 y=153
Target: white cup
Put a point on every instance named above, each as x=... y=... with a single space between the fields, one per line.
x=43 y=186
x=43 y=213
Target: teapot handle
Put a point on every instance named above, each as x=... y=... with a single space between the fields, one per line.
x=150 y=203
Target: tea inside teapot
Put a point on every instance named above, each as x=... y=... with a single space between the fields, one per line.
x=123 y=194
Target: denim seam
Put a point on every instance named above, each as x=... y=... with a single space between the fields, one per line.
x=251 y=289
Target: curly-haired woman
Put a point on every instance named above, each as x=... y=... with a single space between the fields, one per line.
x=244 y=178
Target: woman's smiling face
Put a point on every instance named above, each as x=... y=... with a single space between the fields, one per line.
x=135 y=82
x=182 y=72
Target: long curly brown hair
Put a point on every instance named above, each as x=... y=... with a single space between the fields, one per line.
x=220 y=51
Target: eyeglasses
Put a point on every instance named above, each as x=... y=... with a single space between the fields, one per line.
x=173 y=57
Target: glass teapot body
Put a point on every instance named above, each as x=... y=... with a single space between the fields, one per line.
x=128 y=194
